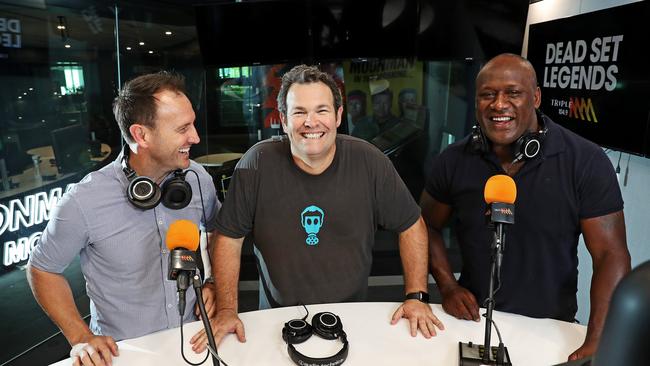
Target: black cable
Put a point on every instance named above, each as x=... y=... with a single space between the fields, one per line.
x=205 y=220
x=214 y=353
x=618 y=165
x=627 y=170
x=183 y=353
x=198 y=180
x=304 y=318
x=495 y=327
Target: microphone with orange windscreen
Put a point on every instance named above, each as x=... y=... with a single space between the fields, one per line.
x=500 y=194
x=182 y=240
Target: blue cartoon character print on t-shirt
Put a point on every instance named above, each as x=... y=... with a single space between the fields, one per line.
x=312 y=219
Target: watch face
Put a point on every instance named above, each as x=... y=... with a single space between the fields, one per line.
x=422 y=296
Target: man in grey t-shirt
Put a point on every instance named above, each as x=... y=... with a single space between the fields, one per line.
x=313 y=202
x=120 y=243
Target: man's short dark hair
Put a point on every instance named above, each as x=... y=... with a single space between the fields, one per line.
x=136 y=103
x=303 y=74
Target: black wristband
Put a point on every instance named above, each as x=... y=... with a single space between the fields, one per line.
x=420 y=295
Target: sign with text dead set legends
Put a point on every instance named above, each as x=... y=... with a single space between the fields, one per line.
x=594 y=77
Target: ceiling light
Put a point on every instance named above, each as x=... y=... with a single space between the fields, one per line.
x=31 y=89
x=128 y=48
x=150 y=51
x=67 y=46
x=169 y=33
x=141 y=43
x=62 y=27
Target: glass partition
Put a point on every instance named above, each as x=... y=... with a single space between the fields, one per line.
x=61 y=67
x=57 y=81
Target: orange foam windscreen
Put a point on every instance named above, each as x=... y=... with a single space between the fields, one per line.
x=500 y=188
x=182 y=234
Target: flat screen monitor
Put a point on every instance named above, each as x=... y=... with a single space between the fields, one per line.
x=71 y=148
x=253 y=33
x=364 y=29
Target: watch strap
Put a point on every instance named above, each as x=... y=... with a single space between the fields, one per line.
x=420 y=295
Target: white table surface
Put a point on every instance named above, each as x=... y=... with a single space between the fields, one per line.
x=373 y=340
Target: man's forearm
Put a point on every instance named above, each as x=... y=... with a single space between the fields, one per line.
x=440 y=267
x=226 y=263
x=608 y=271
x=413 y=252
x=53 y=293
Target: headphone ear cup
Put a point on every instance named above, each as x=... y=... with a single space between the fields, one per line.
x=296 y=331
x=532 y=147
x=527 y=146
x=327 y=325
x=176 y=192
x=143 y=193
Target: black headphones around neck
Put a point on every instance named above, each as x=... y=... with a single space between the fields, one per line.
x=145 y=194
x=327 y=326
x=527 y=146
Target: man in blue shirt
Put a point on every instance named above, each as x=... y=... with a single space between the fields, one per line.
x=118 y=232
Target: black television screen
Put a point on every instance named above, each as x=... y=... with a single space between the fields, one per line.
x=364 y=29
x=470 y=29
x=593 y=79
x=252 y=33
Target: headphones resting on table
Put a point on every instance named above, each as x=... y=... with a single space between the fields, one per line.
x=327 y=326
x=145 y=194
x=527 y=146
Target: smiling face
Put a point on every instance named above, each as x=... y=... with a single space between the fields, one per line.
x=311 y=123
x=506 y=99
x=174 y=133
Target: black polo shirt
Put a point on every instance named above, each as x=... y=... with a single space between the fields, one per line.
x=571 y=179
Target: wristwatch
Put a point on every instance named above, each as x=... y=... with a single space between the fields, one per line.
x=420 y=295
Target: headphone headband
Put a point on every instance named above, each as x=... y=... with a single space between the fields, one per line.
x=526 y=146
x=327 y=326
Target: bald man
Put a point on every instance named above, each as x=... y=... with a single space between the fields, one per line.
x=565 y=188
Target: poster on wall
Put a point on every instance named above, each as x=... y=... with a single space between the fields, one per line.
x=384 y=100
x=593 y=78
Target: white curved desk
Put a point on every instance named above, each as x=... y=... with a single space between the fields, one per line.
x=373 y=341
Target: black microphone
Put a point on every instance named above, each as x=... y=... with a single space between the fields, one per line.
x=182 y=240
x=500 y=194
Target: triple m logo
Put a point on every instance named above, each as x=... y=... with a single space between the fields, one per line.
x=582 y=108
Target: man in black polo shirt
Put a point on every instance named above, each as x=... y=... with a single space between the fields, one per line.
x=569 y=188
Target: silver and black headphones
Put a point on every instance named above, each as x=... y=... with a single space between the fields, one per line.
x=145 y=194
x=327 y=326
x=527 y=146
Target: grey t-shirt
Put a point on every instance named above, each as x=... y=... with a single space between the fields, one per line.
x=314 y=234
